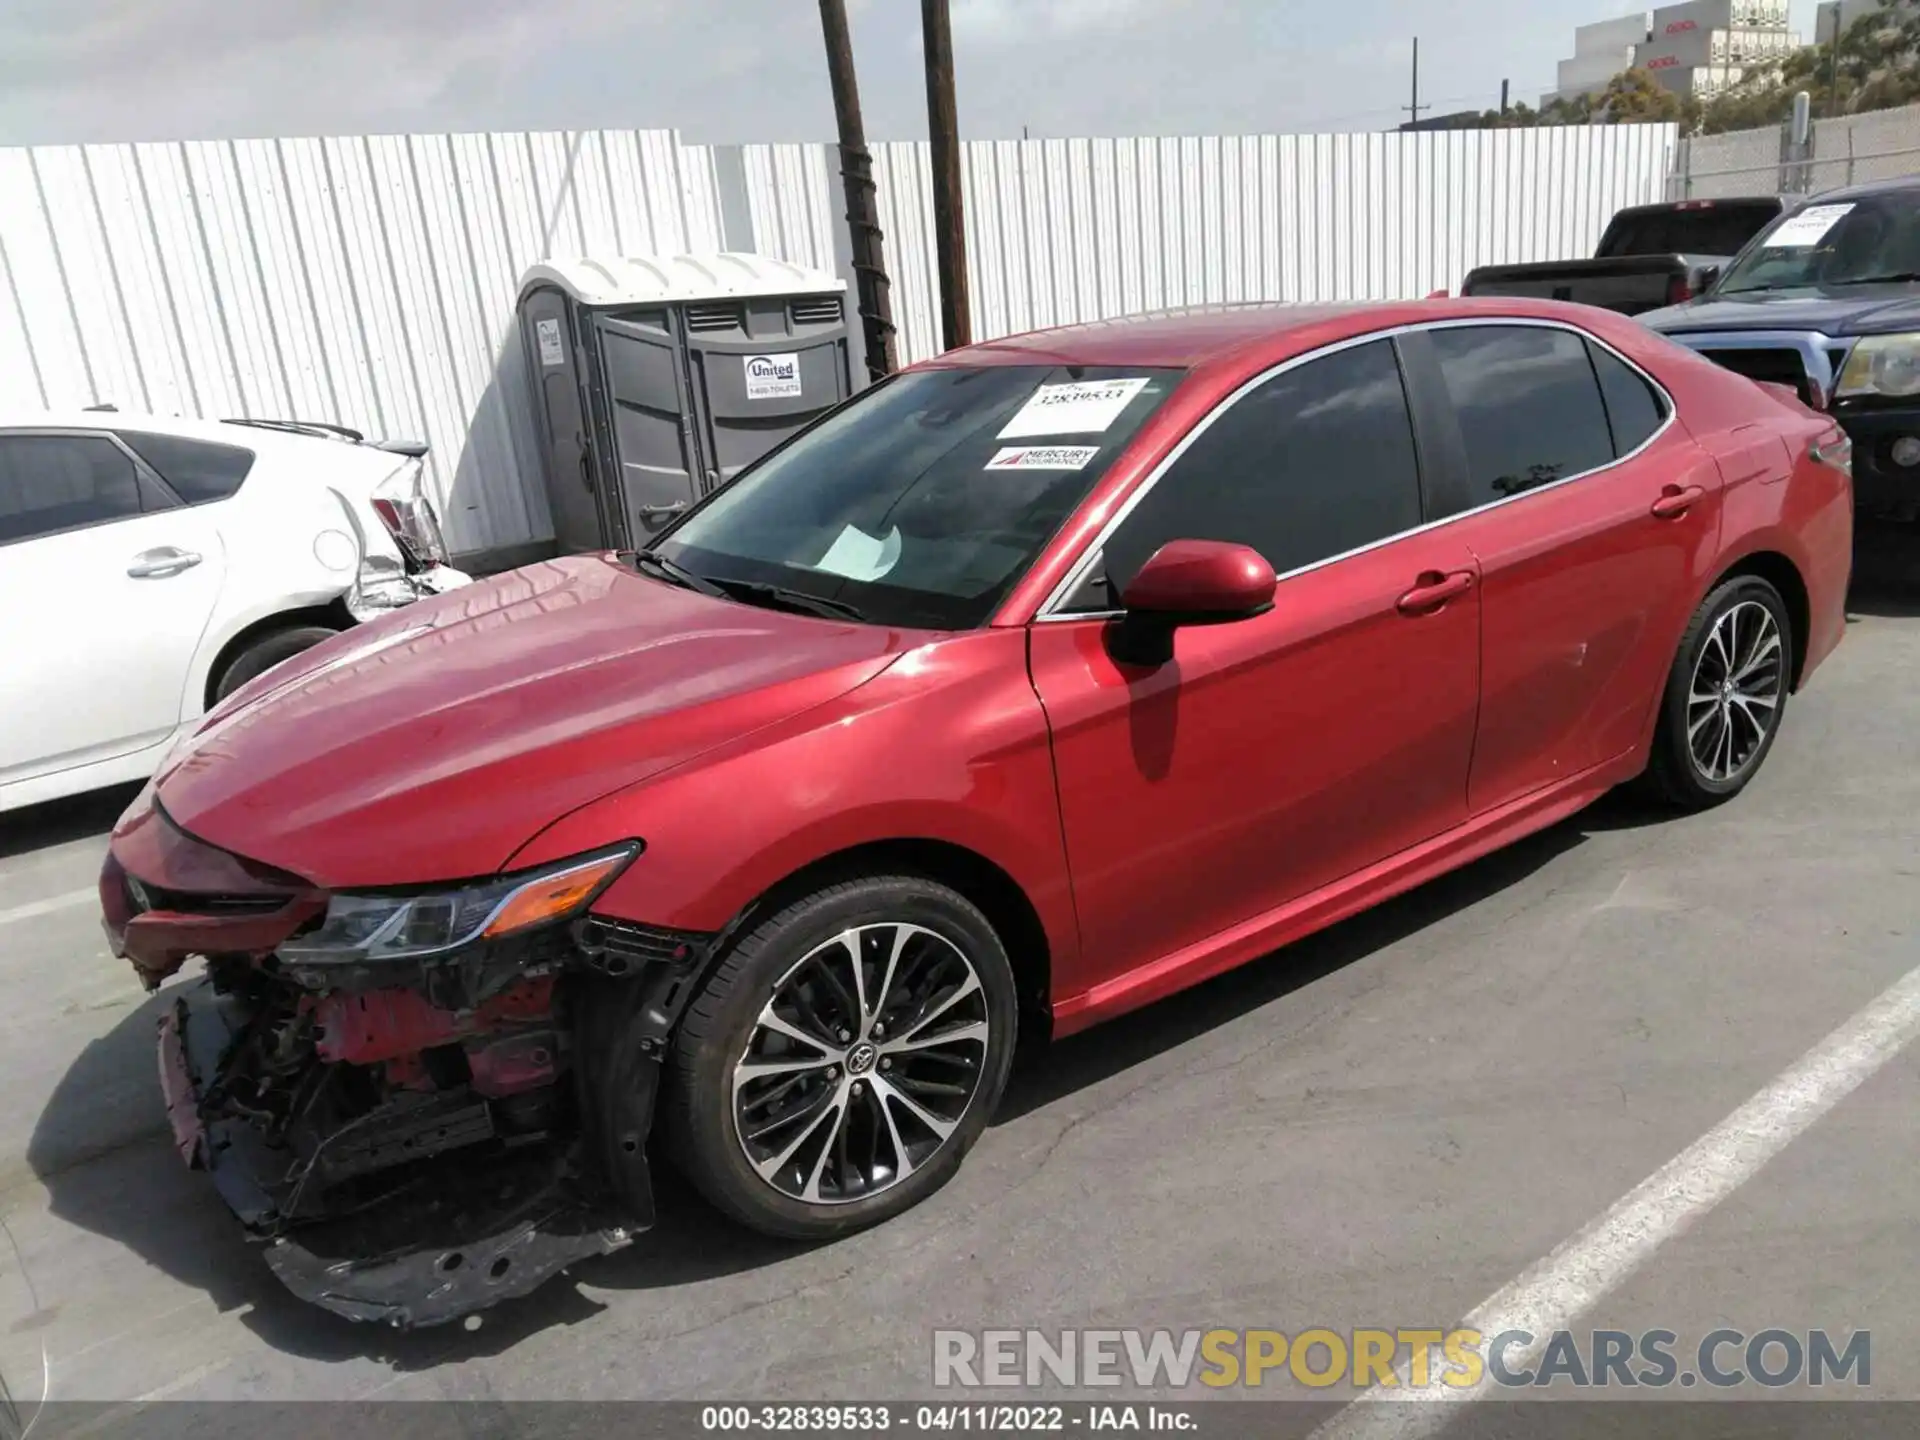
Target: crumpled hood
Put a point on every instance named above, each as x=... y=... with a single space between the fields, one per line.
x=1848 y=310
x=433 y=743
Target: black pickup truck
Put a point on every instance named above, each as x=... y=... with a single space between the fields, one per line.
x=1827 y=300
x=1650 y=256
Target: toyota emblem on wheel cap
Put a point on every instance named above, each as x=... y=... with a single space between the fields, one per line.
x=861 y=1057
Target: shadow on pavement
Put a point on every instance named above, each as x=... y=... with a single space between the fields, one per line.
x=57 y=822
x=1886 y=571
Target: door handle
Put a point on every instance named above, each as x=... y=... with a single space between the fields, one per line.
x=161 y=563
x=650 y=511
x=1676 y=500
x=1434 y=589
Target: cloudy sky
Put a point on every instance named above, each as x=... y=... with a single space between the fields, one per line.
x=742 y=70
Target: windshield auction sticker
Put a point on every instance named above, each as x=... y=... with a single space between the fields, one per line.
x=1080 y=407
x=1806 y=228
x=1043 y=457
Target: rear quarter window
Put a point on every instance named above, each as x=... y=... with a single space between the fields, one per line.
x=200 y=471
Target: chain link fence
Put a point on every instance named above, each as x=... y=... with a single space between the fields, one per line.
x=1846 y=150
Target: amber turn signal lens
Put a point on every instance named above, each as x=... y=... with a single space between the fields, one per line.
x=552 y=897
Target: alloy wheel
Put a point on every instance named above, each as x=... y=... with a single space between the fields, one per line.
x=862 y=1063
x=1734 y=700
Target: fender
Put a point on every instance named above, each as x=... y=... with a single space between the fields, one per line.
x=726 y=827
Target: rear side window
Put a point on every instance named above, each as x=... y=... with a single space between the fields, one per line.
x=1316 y=462
x=50 y=483
x=198 y=470
x=1634 y=408
x=1529 y=406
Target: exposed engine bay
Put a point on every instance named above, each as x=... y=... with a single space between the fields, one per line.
x=413 y=1137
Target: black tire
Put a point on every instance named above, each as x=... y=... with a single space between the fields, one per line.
x=264 y=652
x=783 y=953
x=1675 y=772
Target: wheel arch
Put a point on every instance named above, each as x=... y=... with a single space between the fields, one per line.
x=332 y=614
x=1779 y=571
x=966 y=871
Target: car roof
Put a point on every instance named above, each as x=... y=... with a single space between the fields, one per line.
x=263 y=439
x=1229 y=336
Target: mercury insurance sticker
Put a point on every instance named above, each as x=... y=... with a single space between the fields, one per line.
x=1806 y=228
x=1079 y=407
x=1043 y=457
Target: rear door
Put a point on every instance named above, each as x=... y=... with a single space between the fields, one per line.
x=1275 y=755
x=114 y=580
x=1586 y=509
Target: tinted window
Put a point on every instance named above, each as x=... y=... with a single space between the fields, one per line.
x=1872 y=240
x=1702 y=228
x=198 y=470
x=1316 y=462
x=1634 y=408
x=59 y=482
x=923 y=500
x=1529 y=406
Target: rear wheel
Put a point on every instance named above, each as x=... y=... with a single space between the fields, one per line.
x=844 y=1057
x=264 y=652
x=1725 y=695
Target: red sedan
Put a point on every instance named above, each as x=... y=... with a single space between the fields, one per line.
x=1032 y=685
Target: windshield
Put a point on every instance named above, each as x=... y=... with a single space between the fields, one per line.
x=920 y=502
x=1700 y=227
x=1847 y=242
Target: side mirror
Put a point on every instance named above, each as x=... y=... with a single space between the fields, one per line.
x=1188 y=582
x=1709 y=277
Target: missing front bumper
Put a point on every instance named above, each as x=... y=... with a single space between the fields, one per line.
x=471 y=1232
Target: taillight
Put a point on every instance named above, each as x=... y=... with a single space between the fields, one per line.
x=1835 y=449
x=403 y=507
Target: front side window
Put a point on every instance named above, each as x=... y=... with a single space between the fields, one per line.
x=1529 y=406
x=50 y=483
x=1316 y=462
x=923 y=501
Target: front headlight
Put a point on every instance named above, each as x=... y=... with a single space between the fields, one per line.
x=359 y=928
x=1882 y=365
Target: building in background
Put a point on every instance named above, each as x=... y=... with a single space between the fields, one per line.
x=1600 y=52
x=1699 y=49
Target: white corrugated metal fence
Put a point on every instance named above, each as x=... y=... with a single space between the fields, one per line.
x=370 y=281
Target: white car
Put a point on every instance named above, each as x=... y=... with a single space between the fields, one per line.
x=150 y=566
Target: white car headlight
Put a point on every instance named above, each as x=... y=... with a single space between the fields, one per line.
x=1882 y=365
x=359 y=928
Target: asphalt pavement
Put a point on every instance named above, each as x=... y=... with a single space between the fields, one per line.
x=1380 y=1127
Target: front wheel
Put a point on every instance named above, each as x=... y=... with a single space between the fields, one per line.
x=1725 y=695
x=844 y=1057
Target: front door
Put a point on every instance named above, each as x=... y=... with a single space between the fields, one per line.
x=1276 y=755
x=106 y=586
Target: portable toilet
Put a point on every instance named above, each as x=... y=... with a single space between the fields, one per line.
x=658 y=377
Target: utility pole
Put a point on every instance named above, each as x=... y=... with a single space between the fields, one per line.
x=1413 y=110
x=949 y=218
x=872 y=292
x=1503 y=99
x=1833 y=65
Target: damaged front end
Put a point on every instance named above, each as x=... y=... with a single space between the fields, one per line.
x=421 y=1103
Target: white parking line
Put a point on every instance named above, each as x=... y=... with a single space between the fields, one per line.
x=49 y=905
x=1580 y=1272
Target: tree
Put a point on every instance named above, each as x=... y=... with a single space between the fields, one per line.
x=1874 y=65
